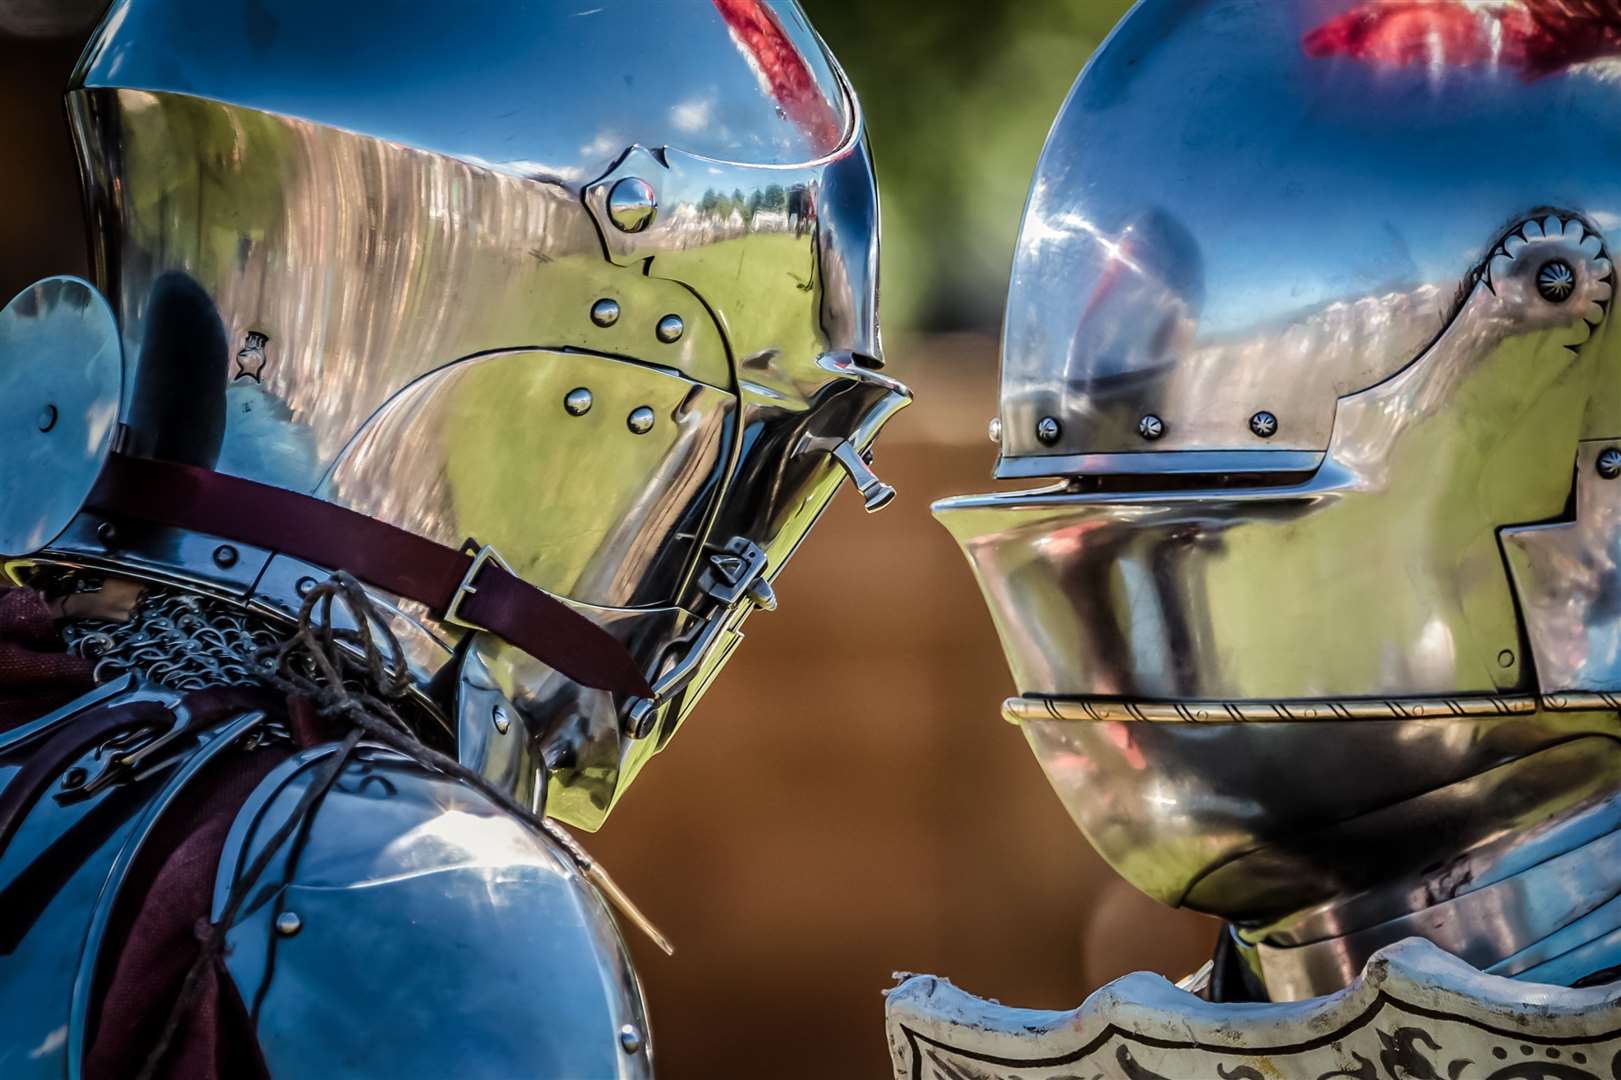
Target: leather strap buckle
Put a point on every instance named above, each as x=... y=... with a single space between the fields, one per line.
x=383 y=556
x=485 y=555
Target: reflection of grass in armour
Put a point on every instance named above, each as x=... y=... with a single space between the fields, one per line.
x=579 y=477
x=589 y=505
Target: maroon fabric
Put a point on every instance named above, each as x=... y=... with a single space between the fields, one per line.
x=408 y=565
x=308 y=726
x=36 y=675
x=164 y=910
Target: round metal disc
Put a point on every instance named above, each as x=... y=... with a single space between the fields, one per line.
x=61 y=374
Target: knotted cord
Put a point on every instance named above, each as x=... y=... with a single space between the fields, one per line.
x=352 y=674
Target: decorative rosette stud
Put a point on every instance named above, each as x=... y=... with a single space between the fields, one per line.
x=1553 y=270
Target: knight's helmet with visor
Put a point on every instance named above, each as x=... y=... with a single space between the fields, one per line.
x=590 y=289
x=1317 y=625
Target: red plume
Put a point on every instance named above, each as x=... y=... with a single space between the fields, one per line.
x=782 y=69
x=1536 y=37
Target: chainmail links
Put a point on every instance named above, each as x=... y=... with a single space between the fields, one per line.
x=176 y=639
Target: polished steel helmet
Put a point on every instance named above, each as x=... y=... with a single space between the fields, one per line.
x=592 y=287
x=1319 y=622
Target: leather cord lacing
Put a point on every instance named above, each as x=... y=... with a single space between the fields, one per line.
x=351 y=677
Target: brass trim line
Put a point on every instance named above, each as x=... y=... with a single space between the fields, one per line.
x=1019 y=709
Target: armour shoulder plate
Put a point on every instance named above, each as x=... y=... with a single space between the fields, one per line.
x=412 y=929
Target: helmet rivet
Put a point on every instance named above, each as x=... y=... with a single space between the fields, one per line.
x=632 y=204
x=1609 y=462
x=107 y=533
x=304 y=585
x=630 y=1039
x=47 y=418
x=1151 y=427
x=1556 y=281
x=289 y=923
x=1264 y=425
x=577 y=402
x=995 y=429
x=640 y=420
x=225 y=556
x=1047 y=430
x=670 y=329
x=503 y=722
x=605 y=312
x=1505 y=659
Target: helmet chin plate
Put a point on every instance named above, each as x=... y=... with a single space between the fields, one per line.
x=61 y=386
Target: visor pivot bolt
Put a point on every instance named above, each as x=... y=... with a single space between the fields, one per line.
x=632 y=204
x=605 y=312
x=1264 y=425
x=630 y=1039
x=225 y=556
x=303 y=586
x=503 y=722
x=289 y=923
x=639 y=718
x=1556 y=281
x=1151 y=427
x=107 y=533
x=670 y=329
x=577 y=402
x=640 y=420
x=1609 y=462
x=47 y=418
x=1048 y=430
x=995 y=430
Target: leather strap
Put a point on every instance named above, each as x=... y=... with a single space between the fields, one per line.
x=396 y=561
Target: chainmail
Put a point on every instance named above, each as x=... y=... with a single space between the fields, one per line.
x=177 y=640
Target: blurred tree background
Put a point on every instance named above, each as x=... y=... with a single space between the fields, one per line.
x=959 y=97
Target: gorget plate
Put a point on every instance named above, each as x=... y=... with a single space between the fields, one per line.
x=1416 y=1013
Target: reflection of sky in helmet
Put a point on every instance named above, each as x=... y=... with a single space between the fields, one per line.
x=548 y=89
x=1302 y=182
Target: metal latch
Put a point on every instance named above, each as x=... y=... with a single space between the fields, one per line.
x=734 y=573
x=875 y=494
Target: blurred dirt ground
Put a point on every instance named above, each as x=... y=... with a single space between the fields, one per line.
x=848 y=803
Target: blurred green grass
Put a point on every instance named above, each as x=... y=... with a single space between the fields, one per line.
x=958 y=99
